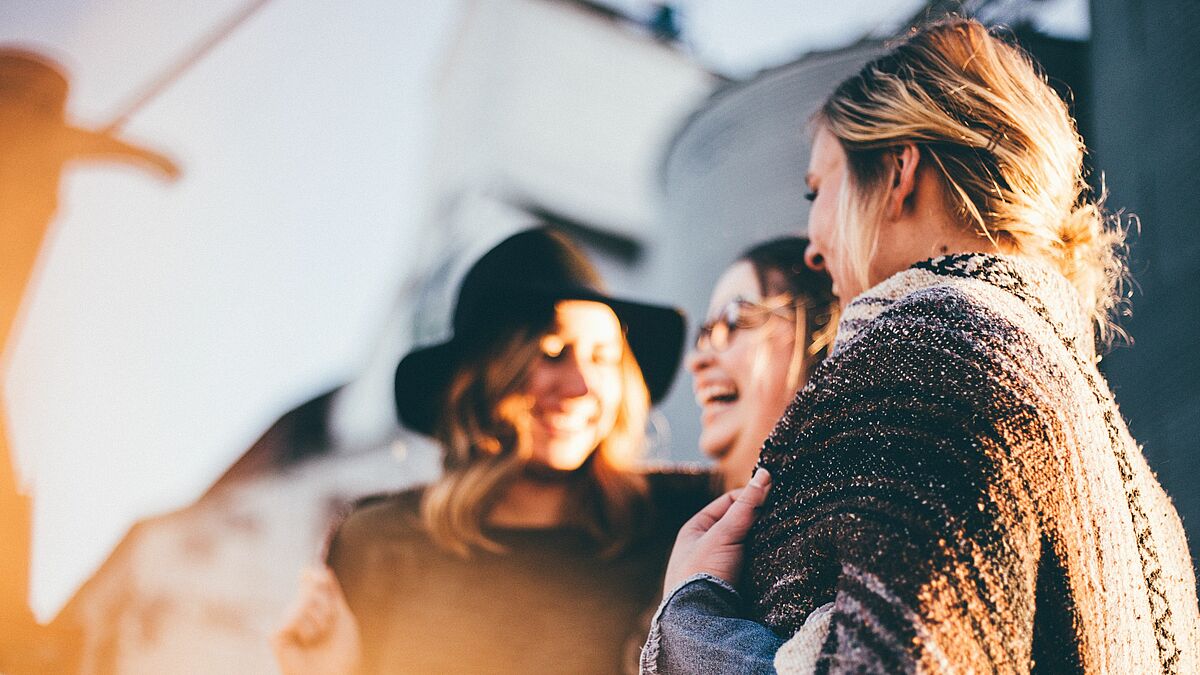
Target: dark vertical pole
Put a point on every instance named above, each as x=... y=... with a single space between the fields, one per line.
x=1145 y=63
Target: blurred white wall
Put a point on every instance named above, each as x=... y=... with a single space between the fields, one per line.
x=174 y=322
x=538 y=103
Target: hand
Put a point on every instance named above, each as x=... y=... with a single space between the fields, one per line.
x=319 y=635
x=711 y=541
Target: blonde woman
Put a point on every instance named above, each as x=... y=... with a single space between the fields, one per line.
x=542 y=544
x=955 y=489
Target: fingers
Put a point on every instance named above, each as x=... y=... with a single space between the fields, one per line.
x=755 y=492
x=740 y=514
x=709 y=515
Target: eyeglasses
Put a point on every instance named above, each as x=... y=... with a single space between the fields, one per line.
x=717 y=332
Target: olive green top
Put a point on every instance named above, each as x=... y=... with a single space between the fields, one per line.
x=550 y=604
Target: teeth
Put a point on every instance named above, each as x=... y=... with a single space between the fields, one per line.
x=566 y=422
x=711 y=392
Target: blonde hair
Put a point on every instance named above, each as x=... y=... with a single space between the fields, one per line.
x=1002 y=142
x=484 y=433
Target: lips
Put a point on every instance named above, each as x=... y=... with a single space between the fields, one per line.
x=710 y=394
x=715 y=399
x=565 y=423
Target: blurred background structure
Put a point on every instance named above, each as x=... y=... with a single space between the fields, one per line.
x=343 y=166
x=1145 y=116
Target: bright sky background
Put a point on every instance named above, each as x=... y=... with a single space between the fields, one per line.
x=173 y=322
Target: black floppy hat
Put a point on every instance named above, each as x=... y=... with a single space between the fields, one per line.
x=517 y=283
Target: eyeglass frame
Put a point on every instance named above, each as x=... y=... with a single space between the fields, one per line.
x=704 y=340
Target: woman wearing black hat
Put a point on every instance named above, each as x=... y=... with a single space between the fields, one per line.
x=541 y=546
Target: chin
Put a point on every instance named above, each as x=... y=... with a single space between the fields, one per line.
x=568 y=458
x=713 y=451
x=716 y=444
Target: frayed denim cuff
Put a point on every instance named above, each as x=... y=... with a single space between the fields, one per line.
x=700 y=595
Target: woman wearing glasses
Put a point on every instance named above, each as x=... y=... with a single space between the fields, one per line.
x=771 y=321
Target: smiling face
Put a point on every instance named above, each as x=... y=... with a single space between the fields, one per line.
x=827 y=177
x=743 y=389
x=574 y=386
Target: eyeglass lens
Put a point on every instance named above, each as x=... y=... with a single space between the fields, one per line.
x=717 y=332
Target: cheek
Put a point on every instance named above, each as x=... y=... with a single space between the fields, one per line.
x=773 y=359
x=536 y=372
x=828 y=230
x=817 y=221
x=738 y=360
x=608 y=391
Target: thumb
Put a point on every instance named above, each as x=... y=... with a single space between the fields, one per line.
x=737 y=520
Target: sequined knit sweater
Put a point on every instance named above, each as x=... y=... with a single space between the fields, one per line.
x=957 y=491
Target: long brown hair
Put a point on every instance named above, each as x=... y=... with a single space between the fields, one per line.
x=780 y=269
x=484 y=433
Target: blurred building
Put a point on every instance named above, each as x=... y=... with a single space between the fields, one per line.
x=548 y=110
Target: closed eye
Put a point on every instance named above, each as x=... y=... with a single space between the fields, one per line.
x=552 y=347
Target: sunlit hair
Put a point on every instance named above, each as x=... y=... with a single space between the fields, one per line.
x=484 y=431
x=1003 y=142
x=781 y=271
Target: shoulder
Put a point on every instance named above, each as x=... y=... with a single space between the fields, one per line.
x=942 y=352
x=942 y=331
x=941 y=376
x=380 y=517
x=973 y=307
x=963 y=308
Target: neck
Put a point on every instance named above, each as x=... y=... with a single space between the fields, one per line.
x=955 y=240
x=532 y=502
x=910 y=241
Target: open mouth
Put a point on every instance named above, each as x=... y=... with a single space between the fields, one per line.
x=716 y=394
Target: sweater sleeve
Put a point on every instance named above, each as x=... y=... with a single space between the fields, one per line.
x=898 y=498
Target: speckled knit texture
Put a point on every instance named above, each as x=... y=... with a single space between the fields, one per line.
x=958 y=481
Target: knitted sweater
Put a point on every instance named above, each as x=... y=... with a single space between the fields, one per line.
x=957 y=481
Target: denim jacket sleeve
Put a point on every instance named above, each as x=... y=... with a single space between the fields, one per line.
x=699 y=629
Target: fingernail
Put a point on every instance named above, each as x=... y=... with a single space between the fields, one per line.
x=761 y=477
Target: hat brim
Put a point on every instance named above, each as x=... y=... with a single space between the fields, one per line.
x=655 y=334
x=78 y=143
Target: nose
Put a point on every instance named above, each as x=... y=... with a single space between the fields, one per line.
x=813 y=258
x=697 y=359
x=572 y=380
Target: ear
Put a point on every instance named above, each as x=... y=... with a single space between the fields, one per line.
x=905 y=159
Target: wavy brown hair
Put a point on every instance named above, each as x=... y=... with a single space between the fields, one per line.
x=1002 y=141
x=484 y=433
x=780 y=270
